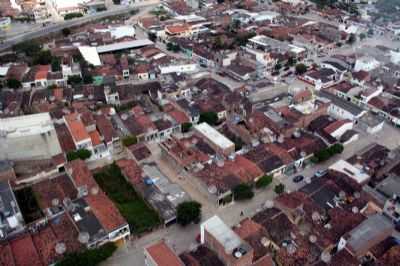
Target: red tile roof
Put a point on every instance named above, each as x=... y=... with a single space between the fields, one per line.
x=45 y=242
x=42 y=72
x=81 y=174
x=24 y=251
x=177 y=28
x=76 y=128
x=95 y=137
x=336 y=125
x=163 y=255
x=65 y=231
x=179 y=116
x=105 y=211
x=6 y=255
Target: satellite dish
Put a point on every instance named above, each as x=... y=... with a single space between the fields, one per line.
x=355 y=209
x=357 y=195
x=220 y=163
x=315 y=216
x=312 y=238
x=124 y=116
x=55 y=202
x=83 y=237
x=292 y=235
x=212 y=189
x=264 y=241
x=269 y=204
x=308 y=180
x=60 y=248
x=342 y=194
x=94 y=190
x=326 y=257
x=291 y=249
x=91 y=96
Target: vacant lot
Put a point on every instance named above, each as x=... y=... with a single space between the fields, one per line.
x=140 y=216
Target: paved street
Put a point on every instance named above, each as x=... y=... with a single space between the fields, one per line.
x=43 y=31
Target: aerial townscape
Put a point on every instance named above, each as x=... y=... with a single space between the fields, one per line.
x=200 y=132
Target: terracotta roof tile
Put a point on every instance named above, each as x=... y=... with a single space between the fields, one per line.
x=76 y=128
x=24 y=251
x=163 y=255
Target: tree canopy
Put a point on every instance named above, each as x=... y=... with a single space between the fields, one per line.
x=82 y=154
x=210 y=118
x=188 y=212
x=242 y=192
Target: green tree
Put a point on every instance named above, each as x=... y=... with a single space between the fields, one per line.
x=301 y=69
x=210 y=118
x=29 y=48
x=352 y=39
x=186 y=127
x=89 y=256
x=87 y=77
x=188 y=212
x=14 y=83
x=362 y=36
x=43 y=57
x=72 y=16
x=279 y=189
x=66 y=31
x=82 y=154
x=129 y=140
x=242 y=192
x=264 y=181
x=152 y=36
x=55 y=64
x=74 y=80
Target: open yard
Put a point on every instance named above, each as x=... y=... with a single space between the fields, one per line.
x=140 y=216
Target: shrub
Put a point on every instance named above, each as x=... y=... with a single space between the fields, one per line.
x=188 y=212
x=72 y=15
x=14 y=84
x=129 y=140
x=186 y=127
x=242 y=192
x=279 y=189
x=82 y=154
x=210 y=118
x=89 y=256
x=74 y=80
x=264 y=181
x=301 y=69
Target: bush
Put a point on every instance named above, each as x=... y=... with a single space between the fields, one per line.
x=74 y=80
x=72 y=15
x=89 y=256
x=242 y=192
x=43 y=57
x=301 y=69
x=129 y=140
x=55 y=64
x=327 y=153
x=66 y=31
x=29 y=48
x=188 y=212
x=264 y=181
x=82 y=154
x=186 y=127
x=14 y=83
x=279 y=189
x=210 y=118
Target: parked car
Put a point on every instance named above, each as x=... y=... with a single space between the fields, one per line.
x=320 y=173
x=298 y=178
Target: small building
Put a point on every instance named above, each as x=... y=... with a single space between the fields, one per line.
x=215 y=139
x=228 y=246
x=354 y=172
x=366 y=235
x=11 y=221
x=160 y=254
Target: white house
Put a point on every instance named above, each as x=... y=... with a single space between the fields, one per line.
x=366 y=63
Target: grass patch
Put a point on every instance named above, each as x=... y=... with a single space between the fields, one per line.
x=138 y=214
